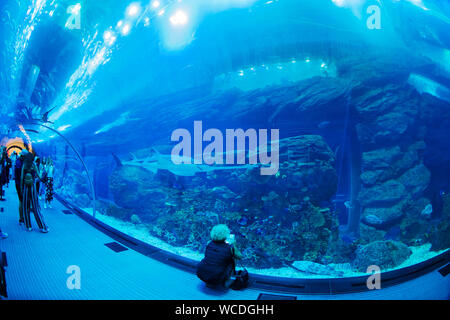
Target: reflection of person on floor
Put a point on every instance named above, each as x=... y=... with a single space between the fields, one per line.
x=49 y=169
x=218 y=265
x=30 y=201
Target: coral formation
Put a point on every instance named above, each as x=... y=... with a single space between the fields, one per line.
x=384 y=254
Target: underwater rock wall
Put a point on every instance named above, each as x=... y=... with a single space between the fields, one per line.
x=392 y=122
x=393 y=173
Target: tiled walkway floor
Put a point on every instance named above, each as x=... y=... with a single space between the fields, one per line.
x=38 y=264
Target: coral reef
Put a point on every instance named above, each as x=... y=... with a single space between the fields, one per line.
x=384 y=254
x=182 y=210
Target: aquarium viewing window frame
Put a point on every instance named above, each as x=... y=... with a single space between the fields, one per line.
x=308 y=286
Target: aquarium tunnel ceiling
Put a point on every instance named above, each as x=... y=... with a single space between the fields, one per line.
x=101 y=81
x=354 y=93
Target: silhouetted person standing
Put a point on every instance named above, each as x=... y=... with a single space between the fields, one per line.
x=30 y=202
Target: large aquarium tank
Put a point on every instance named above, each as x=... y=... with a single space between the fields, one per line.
x=317 y=131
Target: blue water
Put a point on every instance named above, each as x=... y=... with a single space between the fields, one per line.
x=358 y=91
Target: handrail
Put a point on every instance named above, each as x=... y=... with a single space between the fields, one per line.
x=91 y=185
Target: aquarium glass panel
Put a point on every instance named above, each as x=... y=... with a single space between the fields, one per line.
x=317 y=131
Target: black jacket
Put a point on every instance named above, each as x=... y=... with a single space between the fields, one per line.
x=218 y=263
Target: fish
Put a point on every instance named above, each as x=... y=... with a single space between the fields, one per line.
x=243 y=221
x=123 y=119
x=45 y=116
x=348 y=204
x=424 y=84
x=157 y=161
x=427 y=211
x=373 y=220
x=170 y=204
x=324 y=124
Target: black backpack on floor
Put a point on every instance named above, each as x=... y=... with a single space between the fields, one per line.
x=241 y=281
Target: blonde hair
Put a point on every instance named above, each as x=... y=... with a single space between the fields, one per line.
x=220 y=232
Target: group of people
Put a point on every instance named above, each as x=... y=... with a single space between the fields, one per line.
x=33 y=179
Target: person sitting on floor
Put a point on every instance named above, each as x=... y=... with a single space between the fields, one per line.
x=218 y=265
